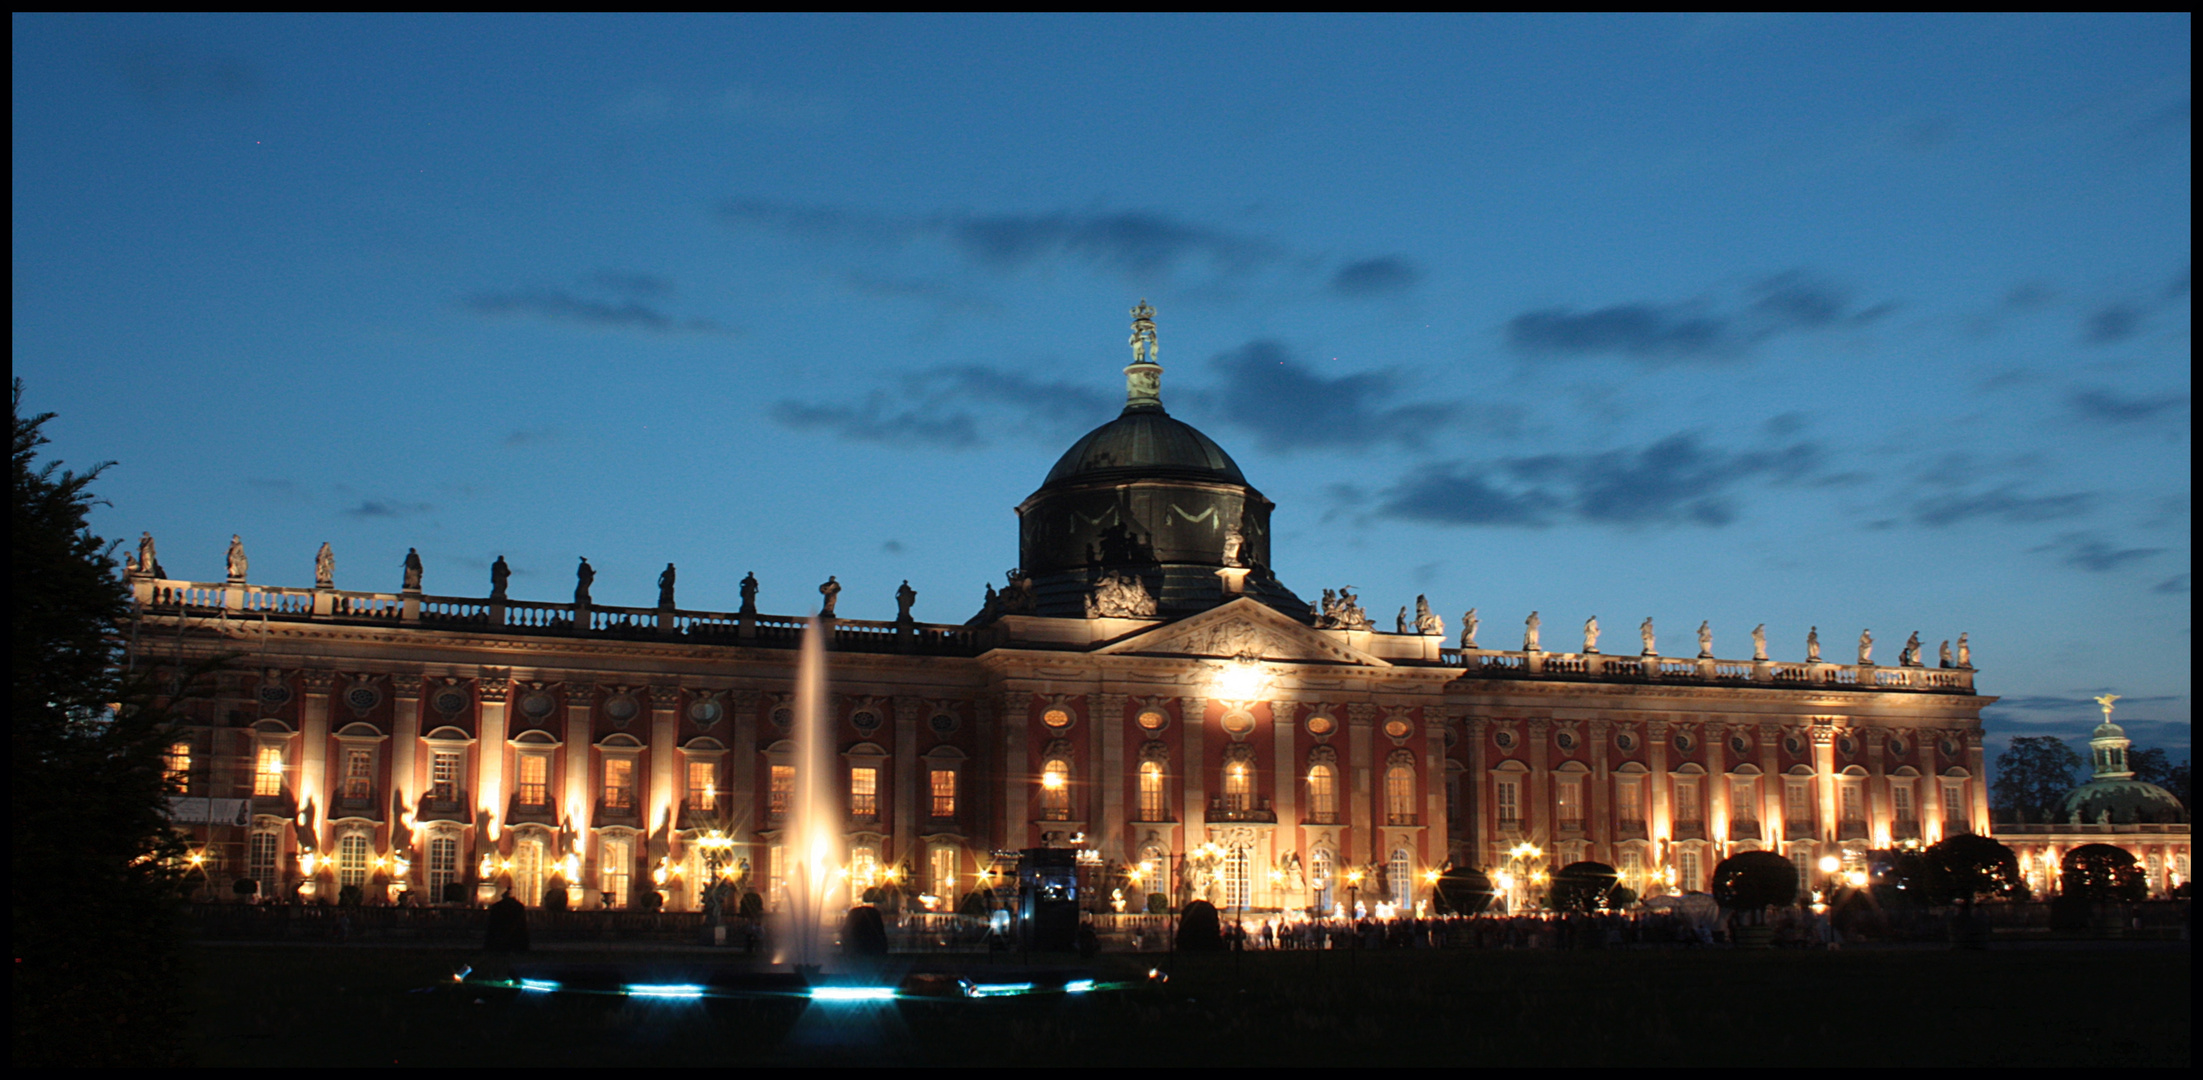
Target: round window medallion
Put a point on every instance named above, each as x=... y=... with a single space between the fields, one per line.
x=1152 y=719
x=1505 y=739
x=1794 y=745
x=1683 y=743
x=1320 y=724
x=783 y=717
x=1897 y=746
x=1239 y=721
x=1950 y=748
x=1740 y=744
x=1056 y=718
x=1626 y=741
x=865 y=720
x=1452 y=737
x=276 y=694
x=362 y=697
x=450 y=702
x=538 y=704
x=1565 y=741
x=1848 y=746
x=943 y=723
x=1398 y=729
x=622 y=708
x=705 y=713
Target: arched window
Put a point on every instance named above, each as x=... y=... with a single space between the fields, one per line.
x=352 y=860
x=615 y=869
x=1322 y=877
x=1152 y=806
x=1323 y=794
x=1401 y=876
x=1399 y=794
x=528 y=870
x=1238 y=786
x=1055 y=790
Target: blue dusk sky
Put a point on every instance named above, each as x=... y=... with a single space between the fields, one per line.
x=1848 y=322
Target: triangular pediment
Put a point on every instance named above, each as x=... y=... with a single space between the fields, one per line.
x=1244 y=627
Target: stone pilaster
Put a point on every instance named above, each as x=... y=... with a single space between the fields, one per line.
x=1477 y=797
x=1015 y=716
x=1105 y=741
x=1193 y=774
x=903 y=830
x=742 y=775
x=1824 y=777
x=1657 y=819
x=1286 y=788
x=311 y=783
x=1771 y=804
x=666 y=784
x=1599 y=801
x=1539 y=818
x=581 y=701
x=405 y=742
x=1358 y=845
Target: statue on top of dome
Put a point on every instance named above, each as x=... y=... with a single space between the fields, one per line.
x=1144 y=348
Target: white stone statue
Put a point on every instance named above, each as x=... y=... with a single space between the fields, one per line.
x=146 y=561
x=1644 y=631
x=1813 y=645
x=1234 y=543
x=1909 y=656
x=325 y=567
x=1705 y=640
x=1399 y=625
x=1530 y=632
x=412 y=570
x=1866 y=648
x=1591 y=634
x=1965 y=653
x=1144 y=349
x=1943 y=654
x=236 y=558
x=1468 y=629
x=1119 y=596
x=1427 y=622
x=1759 y=642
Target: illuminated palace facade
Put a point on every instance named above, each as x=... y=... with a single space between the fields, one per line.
x=1143 y=689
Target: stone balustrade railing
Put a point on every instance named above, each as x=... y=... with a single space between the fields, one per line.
x=1601 y=667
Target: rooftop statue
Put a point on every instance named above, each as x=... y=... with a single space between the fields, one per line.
x=904 y=597
x=1813 y=645
x=1468 y=629
x=1119 y=596
x=1965 y=653
x=146 y=562
x=1591 y=634
x=830 y=590
x=236 y=559
x=1399 y=626
x=1705 y=639
x=583 y=578
x=1759 y=642
x=1909 y=656
x=1866 y=648
x=1943 y=654
x=749 y=592
x=665 y=588
x=1427 y=622
x=1144 y=348
x=413 y=570
x=1234 y=542
x=1644 y=633
x=1530 y=632
x=499 y=575
x=325 y=567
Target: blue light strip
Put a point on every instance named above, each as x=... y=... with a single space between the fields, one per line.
x=677 y=991
x=543 y=985
x=996 y=989
x=852 y=993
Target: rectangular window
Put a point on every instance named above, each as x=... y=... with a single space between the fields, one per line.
x=1686 y=870
x=1689 y=808
x=528 y=871
x=443 y=864
x=359 y=773
x=1323 y=794
x=1238 y=786
x=267 y=774
x=864 y=867
x=352 y=860
x=783 y=791
x=1568 y=795
x=260 y=860
x=1400 y=795
x=864 y=791
x=703 y=789
x=613 y=869
x=1900 y=801
x=619 y=783
x=942 y=783
x=535 y=780
x=1797 y=802
x=1854 y=802
x=776 y=868
x=443 y=775
x=1954 y=804
x=1629 y=802
x=944 y=876
x=177 y=768
x=1743 y=799
x=1633 y=869
x=1510 y=804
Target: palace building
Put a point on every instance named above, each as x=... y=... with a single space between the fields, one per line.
x=1143 y=688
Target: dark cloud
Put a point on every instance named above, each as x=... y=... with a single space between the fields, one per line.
x=881 y=419
x=2172 y=586
x=168 y=79
x=1675 y=481
x=892 y=547
x=2005 y=503
x=560 y=306
x=1135 y=243
x=1791 y=302
x=290 y=491
x=629 y=284
x=935 y=407
x=2112 y=323
x=387 y=508
x=2094 y=553
x=2096 y=403
x=1288 y=406
x=528 y=437
x=2029 y=296
x=1387 y=275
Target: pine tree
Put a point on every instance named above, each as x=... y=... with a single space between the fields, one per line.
x=93 y=887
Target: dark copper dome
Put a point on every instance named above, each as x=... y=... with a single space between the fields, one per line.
x=1145 y=443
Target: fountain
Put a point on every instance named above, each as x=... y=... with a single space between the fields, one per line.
x=811 y=846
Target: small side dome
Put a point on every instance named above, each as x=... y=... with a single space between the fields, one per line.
x=2123 y=801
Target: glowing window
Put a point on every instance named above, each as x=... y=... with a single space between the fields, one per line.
x=535 y=780
x=443 y=864
x=1629 y=802
x=1686 y=870
x=1400 y=794
x=177 y=767
x=1900 y=801
x=864 y=791
x=1320 y=724
x=1238 y=879
x=359 y=773
x=1238 y=786
x=1152 y=720
x=864 y=866
x=942 y=783
x=1743 y=798
x=1152 y=806
x=619 y=783
x=1401 y=876
x=1689 y=808
x=267 y=777
x=352 y=860
x=1954 y=802
x=944 y=875
x=260 y=855
x=443 y=776
x=783 y=789
x=528 y=871
x=1797 y=800
x=1055 y=789
x=1853 y=802
x=1323 y=793
x=615 y=869
x=1056 y=718
x=1568 y=796
x=703 y=788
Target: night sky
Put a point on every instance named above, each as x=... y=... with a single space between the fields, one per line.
x=1836 y=321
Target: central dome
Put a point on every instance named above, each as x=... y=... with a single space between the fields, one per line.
x=1145 y=442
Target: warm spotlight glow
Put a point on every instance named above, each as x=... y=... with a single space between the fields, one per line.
x=1830 y=864
x=1239 y=680
x=1052 y=780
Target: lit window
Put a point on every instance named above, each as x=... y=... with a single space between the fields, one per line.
x=944 y=875
x=260 y=855
x=267 y=777
x=1400 y=794
x=1152 y=806
x=443 y=864
x=1238 y=786
x=1568 y=796
x=614 y=869
x=619 y=783
x=864 y=791
x=1900 y=801
x=528 y=871
x=1238 y=878
x=703 y=790
x=1323 y=793
x=776 y=871
x=178 y=767
x=1853 y=802
x=1055 y=789
x=943 y=785
x=1510 y=804
x=1743 y=798
x=1686 y=870
x=352 y=860
x=783 y=790
x=1954 y=802
x=443 y=776
x=1689 y=810
x=535 y=780
x=864 y=867
x=359 y=773
x=1629 y=802
x=1401 y=875
x=1797 y=801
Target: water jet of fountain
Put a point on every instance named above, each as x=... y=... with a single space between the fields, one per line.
x=811 y=846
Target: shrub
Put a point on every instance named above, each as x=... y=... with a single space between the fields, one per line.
x=864 y=931
x=2101 y=873
x=349 y=896
x=1752 y=880
x=1199 y=929
x=1620 y=896
x=976 y=902
x=1158 y=904
x=751 y=906
x=245 y=886
x=554 y=898
x=1464 y=891
x=455 y=892
x=1582 y=886
x=1965 y=867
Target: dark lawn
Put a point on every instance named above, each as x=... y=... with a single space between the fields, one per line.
x=2115 y=1005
